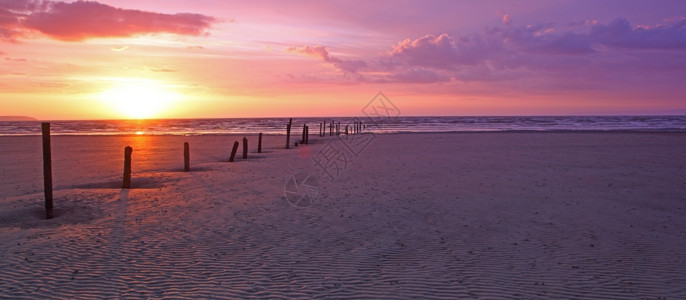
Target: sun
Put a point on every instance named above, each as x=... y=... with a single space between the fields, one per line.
x=139 y=98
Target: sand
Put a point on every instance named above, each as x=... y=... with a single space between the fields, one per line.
x=450 y=215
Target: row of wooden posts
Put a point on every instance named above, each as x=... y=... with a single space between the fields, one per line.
x=126 y=184
x=335 y=128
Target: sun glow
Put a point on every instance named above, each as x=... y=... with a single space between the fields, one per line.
x=139 y=98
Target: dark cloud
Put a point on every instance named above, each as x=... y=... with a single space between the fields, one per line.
x=619 y=33
x=82 y=20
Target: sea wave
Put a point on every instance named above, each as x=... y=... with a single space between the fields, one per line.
x=386 y=125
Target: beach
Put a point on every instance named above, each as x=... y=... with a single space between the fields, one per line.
x=524 y=215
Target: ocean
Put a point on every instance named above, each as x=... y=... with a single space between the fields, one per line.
x=387 y=125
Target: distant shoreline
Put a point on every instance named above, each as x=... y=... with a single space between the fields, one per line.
x=16 y=118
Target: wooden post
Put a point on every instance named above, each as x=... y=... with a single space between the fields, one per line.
x=259 y=143
x=331 y=129
x=346 y=129
x=307 y=135
x=186 y=157
x=302 y=140
x=245 y=148
x=233 y=151
x=338 y=128
x=47 y=170
x=127 y=168
x=288 y=134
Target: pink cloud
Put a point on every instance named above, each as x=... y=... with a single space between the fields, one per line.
x=507 y=20
x=429 y=51
x=320 y=52
x=82 y=20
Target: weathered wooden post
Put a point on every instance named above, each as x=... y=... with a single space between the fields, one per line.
x=186 y=157
x=245 y=148
x=307 y=135
x=288 y=134
x=259 y=143
x=302 y=139
x=47 y=170
x=233 y=151
x=127 y=167
x=338 y=128
x=331 y=129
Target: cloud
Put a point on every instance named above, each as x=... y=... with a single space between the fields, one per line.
x=16 y=59
x=119 y=49
x=417 y=75
x=494 y=45
x=430 y=51
x=162 y=70
x=615 y=52
x=507 y=20
x=320 y=52
x=80 y=20
x=619 y=33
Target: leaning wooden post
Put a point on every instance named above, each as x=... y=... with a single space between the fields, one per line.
x=288 y=134
x=127 y=167
x=47 y=170
x=186 y=157
x=245 y=148
x=233 y=151
x=259 y=143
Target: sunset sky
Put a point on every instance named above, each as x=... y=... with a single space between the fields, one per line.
x=214 y=58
